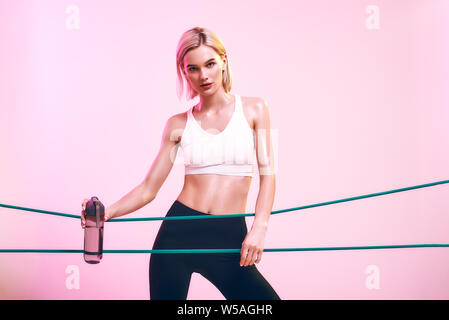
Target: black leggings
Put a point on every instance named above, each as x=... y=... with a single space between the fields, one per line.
x=170 y=273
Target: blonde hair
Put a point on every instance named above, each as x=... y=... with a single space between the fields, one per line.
x=192 y=39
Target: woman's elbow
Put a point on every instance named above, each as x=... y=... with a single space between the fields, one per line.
x=147 y=194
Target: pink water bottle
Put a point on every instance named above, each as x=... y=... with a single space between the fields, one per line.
x=93 y=232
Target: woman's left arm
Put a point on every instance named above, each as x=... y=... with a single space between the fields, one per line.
x=253 y=245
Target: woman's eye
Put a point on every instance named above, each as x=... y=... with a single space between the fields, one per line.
x=193 y=68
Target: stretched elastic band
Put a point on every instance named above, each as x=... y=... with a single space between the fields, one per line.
x=212 y=216
x=226 y=250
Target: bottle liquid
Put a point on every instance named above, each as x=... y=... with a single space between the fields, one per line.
x=93 y=231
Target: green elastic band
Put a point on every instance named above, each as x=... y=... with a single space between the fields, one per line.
x=211 y=216
x=227 y=216
x=225 y=250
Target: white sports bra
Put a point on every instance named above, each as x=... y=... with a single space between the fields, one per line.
x=230 y=152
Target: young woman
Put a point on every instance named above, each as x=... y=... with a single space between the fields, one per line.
x=220 y=137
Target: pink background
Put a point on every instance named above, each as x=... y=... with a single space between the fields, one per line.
x=356 y=111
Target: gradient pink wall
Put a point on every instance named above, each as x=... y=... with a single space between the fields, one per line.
x=356 y=110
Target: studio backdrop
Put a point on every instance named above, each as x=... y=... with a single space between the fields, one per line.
x=358 y=102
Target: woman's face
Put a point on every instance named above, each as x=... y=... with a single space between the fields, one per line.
x=203 y=65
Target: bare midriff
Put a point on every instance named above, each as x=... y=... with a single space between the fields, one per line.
x=215 y=194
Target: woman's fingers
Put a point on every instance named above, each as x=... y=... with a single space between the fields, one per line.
x=83 y=219
x=249 y=255
x=259 y=256
x=84 y=204
x=83 y=213
x=243 y=254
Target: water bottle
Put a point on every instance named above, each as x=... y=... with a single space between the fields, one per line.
x=93 y=231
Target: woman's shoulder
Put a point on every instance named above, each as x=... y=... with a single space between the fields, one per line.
x=252 y=103
x=176 y=124
x=179 y=118
x=251 y=107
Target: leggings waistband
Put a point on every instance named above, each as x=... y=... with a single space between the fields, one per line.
x=183 y=210
x=180 y=209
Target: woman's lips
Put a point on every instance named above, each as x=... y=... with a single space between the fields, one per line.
x=206 y=86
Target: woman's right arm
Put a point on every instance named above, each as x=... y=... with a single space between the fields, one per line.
x=147 y=190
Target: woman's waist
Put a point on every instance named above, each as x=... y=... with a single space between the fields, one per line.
x=204 y=219
x=197 y=233
x=215 y=195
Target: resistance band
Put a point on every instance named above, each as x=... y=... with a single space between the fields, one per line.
x=228 y=216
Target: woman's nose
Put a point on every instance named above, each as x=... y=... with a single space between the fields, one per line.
x=203 y=75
